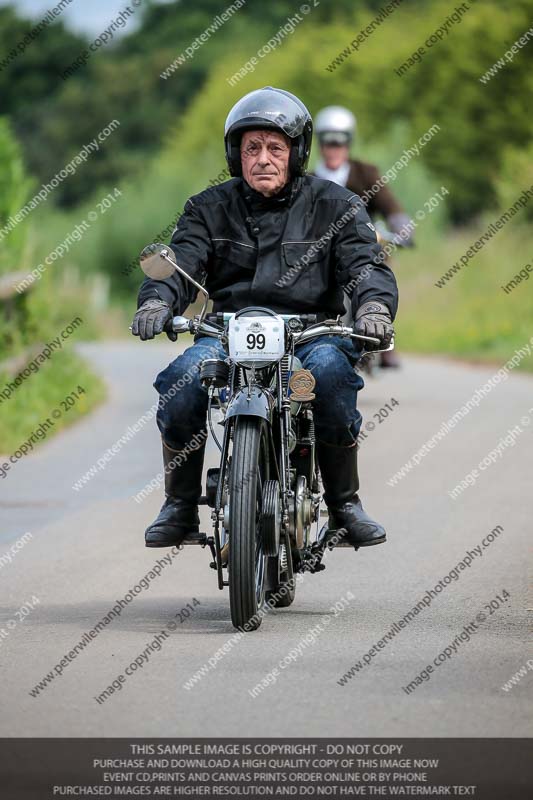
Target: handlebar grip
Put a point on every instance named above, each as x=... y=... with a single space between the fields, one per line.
x=169 y=330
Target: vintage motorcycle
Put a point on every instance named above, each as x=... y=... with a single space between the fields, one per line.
x=265 y=495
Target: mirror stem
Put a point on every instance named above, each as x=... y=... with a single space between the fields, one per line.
x=164 y=254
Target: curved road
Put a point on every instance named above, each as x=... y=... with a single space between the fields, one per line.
x=86 y=552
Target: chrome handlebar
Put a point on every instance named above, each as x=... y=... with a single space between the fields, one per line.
x=337 y=330
x=198 y=325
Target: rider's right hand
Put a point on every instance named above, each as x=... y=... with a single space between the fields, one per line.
x=151 y=319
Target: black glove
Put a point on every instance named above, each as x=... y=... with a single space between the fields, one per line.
x=374 y=319
x=151 y=319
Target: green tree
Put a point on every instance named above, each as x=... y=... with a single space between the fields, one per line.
x=14 y=188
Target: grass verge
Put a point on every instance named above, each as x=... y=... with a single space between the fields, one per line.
x=43 y=392
x=471 y=316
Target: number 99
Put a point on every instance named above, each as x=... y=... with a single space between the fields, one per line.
x=256 y=342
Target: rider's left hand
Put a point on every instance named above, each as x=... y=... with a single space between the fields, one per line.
x=374 y=319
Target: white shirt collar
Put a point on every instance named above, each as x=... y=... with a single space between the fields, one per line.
x=339 y=175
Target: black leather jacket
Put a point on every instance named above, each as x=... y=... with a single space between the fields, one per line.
x=293 y=252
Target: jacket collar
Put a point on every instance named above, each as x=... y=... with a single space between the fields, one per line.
x=258 y=201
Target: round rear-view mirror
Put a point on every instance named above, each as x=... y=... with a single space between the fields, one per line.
x=156 y=261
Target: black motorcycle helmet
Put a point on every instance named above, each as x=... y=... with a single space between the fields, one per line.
x=265 y=109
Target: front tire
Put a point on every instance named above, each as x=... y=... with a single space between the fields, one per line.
x=249 y=472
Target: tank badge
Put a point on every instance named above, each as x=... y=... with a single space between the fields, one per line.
x=301 y=384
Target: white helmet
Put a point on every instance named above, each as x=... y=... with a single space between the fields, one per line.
x=335 y=125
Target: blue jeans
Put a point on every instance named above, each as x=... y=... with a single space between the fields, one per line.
x=183 y=400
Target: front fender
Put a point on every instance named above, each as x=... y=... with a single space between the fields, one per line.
x=254 y=402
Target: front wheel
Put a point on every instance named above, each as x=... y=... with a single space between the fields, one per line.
x=249 y=472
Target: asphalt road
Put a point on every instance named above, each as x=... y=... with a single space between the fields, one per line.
x=86 y=551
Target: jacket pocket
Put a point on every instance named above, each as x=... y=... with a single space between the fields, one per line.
x=231 y=251
x=305 y=266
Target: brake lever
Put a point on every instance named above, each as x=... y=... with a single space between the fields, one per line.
x=365 y=338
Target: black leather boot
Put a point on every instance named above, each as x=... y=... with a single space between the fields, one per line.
x=338 y=468
x=183 y=487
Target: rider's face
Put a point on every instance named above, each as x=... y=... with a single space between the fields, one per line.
x=334 y=155
x=265 y=160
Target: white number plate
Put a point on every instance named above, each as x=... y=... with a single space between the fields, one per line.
x=256 y=338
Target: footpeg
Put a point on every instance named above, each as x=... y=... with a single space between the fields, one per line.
x=331 y=538
x=311 y=561
x=196 y=538
x=312 y=556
